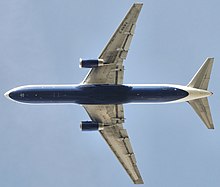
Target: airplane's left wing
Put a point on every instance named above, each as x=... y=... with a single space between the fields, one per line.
x=112 y=116
x=115 y=52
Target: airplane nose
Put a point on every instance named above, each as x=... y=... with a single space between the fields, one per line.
x=11 y=94
x=7 y=94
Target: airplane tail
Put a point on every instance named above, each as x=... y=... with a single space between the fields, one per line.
x=201 y=81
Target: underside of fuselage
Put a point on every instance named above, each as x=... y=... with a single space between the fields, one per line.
x=97 y=94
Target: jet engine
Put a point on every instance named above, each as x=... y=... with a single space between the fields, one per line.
x=91 y=63
x=91 y=126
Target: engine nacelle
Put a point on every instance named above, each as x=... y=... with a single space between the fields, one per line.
x=91 y=126
x=91 y=63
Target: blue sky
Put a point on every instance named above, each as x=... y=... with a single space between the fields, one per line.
x=42 y=41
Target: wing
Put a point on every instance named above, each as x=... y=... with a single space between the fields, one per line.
x=116 y=136
x=115 y=52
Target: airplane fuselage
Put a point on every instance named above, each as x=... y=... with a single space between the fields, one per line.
x=101 y=94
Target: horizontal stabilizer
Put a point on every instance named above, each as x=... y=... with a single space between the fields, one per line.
x=201 y=106
x=201 y=78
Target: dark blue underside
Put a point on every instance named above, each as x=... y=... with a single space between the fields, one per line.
x=97 y=94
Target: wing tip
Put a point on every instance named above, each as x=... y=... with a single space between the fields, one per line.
x=211 y=58
x=138 y=4
x=211 y=127
x=139 y=181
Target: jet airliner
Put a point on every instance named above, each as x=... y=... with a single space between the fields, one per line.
x=102 y=93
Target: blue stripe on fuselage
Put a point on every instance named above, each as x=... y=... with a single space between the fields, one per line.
x=97 y=94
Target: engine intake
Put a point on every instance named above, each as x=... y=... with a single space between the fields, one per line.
x=91 y=126
x=91 y=63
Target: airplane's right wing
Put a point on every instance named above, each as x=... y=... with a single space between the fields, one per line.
x=112 y=116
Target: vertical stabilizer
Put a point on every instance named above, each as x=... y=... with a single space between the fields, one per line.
x=201 y=81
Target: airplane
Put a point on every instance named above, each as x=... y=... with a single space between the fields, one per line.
x=102 y=93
